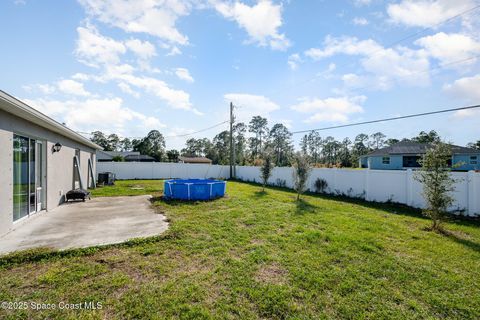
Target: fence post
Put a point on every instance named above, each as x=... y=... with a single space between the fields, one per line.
x=409 y=186
x=471 y=192
x=335 y=179
x=367 y=184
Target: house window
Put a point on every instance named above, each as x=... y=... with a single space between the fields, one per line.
x=386 y=160
x=411 y=162
x=473 y=160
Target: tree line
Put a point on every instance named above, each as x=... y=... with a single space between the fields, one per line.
x=250 y=149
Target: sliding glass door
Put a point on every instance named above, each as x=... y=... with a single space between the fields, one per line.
x=20 y=177
x=28 y=180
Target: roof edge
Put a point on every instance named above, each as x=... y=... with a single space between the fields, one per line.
x=24 y=111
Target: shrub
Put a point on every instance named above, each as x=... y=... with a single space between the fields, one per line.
x=266 y=169
x=281 y=183
x=301 y=171
x=321 y=185
x=437 y=183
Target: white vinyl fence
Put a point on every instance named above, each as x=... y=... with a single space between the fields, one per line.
x=372 y=185
x=163 y=170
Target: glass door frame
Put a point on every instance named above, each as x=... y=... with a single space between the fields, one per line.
x=40 y=175
x=32 y=170
x=39 y=156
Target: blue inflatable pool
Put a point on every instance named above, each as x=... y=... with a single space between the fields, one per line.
x=194 y=189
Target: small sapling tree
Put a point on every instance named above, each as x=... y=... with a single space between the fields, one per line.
x=301 y=171
x=437 y=182
x=266 y=169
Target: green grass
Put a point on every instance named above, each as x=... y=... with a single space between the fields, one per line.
x=130 y=188
x=261 y=255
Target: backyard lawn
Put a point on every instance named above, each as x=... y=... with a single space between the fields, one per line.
x=255 y=255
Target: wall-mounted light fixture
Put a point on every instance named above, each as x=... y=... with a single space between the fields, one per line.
x=56 y=147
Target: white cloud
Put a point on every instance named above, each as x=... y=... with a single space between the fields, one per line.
x=97 y=50
x=154 y=17
x=143 y=49
x=360 y=21
x=426 y=13
x=174 y=51
x=261 y=21
x=177 y=99
x=96 y=114
x=294 y=60
x=344 y=45
x=42 y=88
x=465 y=88
x=250 y=105
x=449 y=48
x=330 y=109
x=184 y=74
x=353 y=80
x=81 y=76
x=127 y=89
x=388 y=65
x=94 y=50
x=72 y=87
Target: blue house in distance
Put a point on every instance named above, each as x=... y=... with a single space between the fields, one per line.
x=406 y=155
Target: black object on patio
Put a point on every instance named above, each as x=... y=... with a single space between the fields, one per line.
x=77 y=194
x=106 y=178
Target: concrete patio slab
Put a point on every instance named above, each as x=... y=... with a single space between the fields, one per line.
x=99 y=221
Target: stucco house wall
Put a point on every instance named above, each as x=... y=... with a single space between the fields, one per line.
x=6 y=177
x=59 y=165
x=396 y=162
x=465 y=163
x=376 y=162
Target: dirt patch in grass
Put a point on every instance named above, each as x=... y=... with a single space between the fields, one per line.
x=257 y=242
x=120 y=260
x=272 y=273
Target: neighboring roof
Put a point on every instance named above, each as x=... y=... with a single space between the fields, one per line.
x=122 y=153
x=20 y=109
x=138 y=157
x=195 y=159
x=414 y=148
x=102 y=155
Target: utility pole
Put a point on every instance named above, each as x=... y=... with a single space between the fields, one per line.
x=232 y=146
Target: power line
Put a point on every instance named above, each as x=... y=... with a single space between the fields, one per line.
x=431 y=27
x=388 y=119
x=173 y=136
x=390 y=44
x=192 y=133
x=440 y=67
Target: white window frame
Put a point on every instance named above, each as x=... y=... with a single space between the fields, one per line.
x=386 y=160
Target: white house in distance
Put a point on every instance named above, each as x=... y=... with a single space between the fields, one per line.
x=40 y=161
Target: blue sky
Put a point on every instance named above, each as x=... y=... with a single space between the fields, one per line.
x=132 y=66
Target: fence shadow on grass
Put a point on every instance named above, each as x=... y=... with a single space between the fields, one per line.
x=391 y=207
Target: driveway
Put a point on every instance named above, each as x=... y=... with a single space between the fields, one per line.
x=98 y=221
